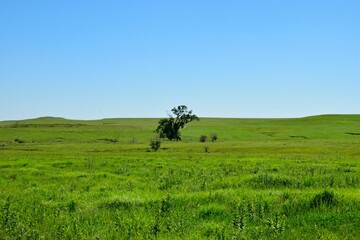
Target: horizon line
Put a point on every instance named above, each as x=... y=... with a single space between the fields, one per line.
x=207 y=117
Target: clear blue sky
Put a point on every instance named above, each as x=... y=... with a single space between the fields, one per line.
x=241 y=58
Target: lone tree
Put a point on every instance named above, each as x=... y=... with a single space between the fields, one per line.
x=169 y=127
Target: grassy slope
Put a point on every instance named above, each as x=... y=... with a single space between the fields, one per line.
x=81 y=179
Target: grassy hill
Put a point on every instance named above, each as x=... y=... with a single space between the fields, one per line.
x=262 y=178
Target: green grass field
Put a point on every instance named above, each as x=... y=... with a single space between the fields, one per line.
x=262 y=179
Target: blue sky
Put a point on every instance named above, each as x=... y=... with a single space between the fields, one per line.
x=97 y=59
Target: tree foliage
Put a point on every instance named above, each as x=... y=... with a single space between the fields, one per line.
x=170 y=127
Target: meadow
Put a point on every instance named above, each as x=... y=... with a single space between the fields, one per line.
x=261 y=179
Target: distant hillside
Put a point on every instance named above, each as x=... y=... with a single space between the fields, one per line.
x=60 y=120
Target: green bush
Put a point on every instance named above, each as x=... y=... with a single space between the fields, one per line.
x=203 y=138
x=325 y=198
x=155 y=144
x=214 y=137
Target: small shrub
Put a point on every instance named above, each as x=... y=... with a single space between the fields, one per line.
x=325 y=198
x=203 y=138
x=155 y=144
x=206 y=149
x=19 y=140
x=214 y=137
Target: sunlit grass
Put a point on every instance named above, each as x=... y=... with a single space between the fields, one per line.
x=262 y=178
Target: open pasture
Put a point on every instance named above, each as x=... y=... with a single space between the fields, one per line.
x=262 y=179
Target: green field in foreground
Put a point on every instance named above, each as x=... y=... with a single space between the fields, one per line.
x=262 y=179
